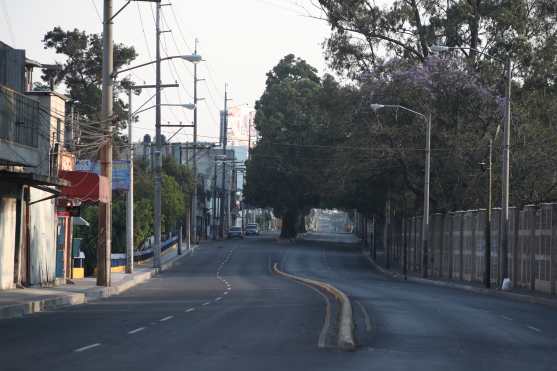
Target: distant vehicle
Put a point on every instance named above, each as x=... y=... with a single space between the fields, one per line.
x=235 y=232
x=251 y=229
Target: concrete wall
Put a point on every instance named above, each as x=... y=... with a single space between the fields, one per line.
x=457 y=246
x=8 y=214
x=42 y=236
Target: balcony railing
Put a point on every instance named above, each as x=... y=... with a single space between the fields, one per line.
x=19 y=118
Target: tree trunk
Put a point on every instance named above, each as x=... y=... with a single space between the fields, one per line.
x=289 y=224
x=475 y=28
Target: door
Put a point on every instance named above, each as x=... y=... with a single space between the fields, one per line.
x=60 y=247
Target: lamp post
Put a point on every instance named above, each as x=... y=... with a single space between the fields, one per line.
x=504 y=271
x=425 y=221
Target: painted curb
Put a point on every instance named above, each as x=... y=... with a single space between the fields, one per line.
x=346 y=324
x=89 y=295
x=478 y=290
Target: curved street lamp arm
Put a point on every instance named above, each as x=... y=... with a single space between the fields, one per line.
x=406 y=109
x=116 y=73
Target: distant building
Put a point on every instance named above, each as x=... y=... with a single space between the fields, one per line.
x=209 y=178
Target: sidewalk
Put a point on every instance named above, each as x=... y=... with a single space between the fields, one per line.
x=19 y=302
x=518 y=294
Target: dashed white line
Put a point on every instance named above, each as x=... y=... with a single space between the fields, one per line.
x=507 y=318
x=219 y=298
x=87 y=347
x=225 y=293
x=136 y=330
x=165 y=318
x=206 y=303
x=534 y=329
x=189 y=310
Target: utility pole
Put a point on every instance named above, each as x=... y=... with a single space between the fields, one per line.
x=194 y=201
x=224 y=141
x=158 y=144
x=487 y=274
x=129 y=209
x=105 y=209
x=214 y=206
x=425 y=221
x=505 y=176
x=230 y=194
x=386 y=240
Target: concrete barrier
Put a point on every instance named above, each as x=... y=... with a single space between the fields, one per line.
x=345 y=336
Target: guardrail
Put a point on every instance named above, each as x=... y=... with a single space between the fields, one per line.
x=148 y=253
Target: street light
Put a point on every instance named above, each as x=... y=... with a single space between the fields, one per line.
x=505 y=155
x=193 y=58
x=188 y=106
x=425 y=221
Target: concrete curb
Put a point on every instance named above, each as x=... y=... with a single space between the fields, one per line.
x=34 y=306
x=346 y=324
x=89 y=295
x=478 y=290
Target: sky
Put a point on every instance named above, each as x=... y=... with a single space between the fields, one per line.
x=240 y=40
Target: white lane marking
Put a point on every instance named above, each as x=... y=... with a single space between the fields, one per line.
x=87 y=347
x=225 y=293
x=165 y=318
x=206 y=303
x=219 y=298
x=507 y=318
x=534 y=329
x=136 y=330
x=190 y=310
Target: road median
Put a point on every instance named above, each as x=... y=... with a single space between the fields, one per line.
x=345 y=336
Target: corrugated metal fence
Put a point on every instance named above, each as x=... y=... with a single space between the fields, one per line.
x=457 y=246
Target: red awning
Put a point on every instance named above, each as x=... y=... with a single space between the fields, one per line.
x=85 y=186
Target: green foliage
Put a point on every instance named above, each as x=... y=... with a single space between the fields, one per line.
x=82 y=70
x=173 y=203
x=176 y=189
x=81 y=73
x=280 y=175
x=299 y=118
x=385 y=51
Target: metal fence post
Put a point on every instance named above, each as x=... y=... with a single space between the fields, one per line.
x=180 y=241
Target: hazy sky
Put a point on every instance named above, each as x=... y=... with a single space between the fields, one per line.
x=240 y=39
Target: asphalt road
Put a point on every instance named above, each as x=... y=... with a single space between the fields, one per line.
x=223 y=309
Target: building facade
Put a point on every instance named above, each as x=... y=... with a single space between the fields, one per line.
x=36 y=213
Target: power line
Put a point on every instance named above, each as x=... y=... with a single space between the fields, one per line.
x=96 y=10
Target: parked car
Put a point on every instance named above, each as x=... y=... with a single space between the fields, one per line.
x=235 y=232
x=251 y=230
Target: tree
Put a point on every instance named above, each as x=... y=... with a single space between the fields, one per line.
x=81 y=73
x=280 y=174
x=368 y=40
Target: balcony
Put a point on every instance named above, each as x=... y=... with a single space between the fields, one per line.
x=24 y=138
